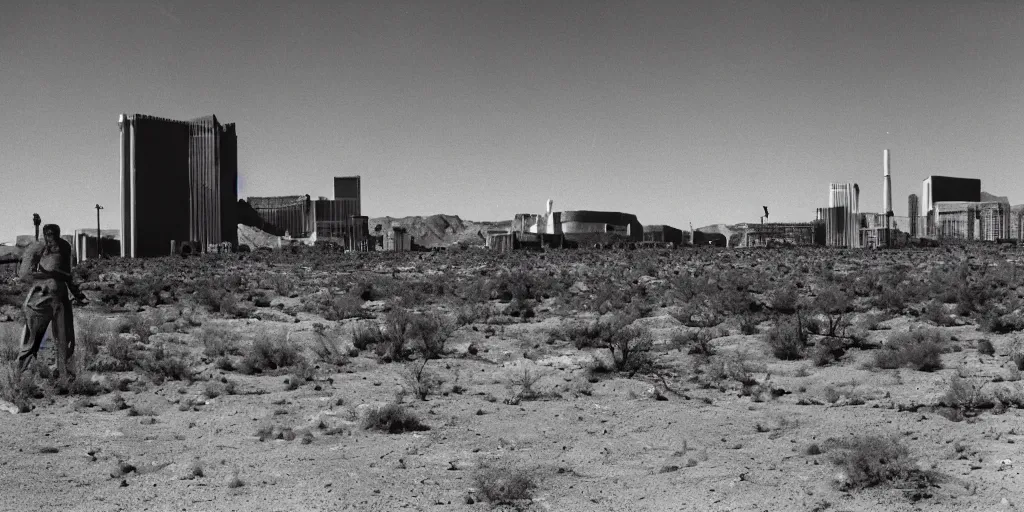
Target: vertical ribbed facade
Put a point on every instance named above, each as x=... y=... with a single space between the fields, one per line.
x=178 y=182
x=842 y=217
x=913 y=211
x=349 y=188
x=339 y=220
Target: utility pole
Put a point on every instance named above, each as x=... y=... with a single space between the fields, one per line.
x=36 y=221
x=99 y=239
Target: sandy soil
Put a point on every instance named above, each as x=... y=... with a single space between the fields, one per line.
x=589 y=442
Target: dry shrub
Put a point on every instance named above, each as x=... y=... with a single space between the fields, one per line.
x=19 y=389
x=420 y=380
x=218 y=340
x=327 y=346
x=503 y=485
x=10 y=342
x=966 y=394
x=271 y=351
x=874 y=460
x=918 y=350
x=786 y=340
x=393 y=419
x=431 y=332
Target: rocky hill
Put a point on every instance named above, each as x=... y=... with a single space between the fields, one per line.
x=439 y=230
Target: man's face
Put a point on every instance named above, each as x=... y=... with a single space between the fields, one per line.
x=51 y=239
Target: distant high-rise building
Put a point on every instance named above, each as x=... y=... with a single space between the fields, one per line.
x=842 y=217
x=913 y=211
x=179 y=181
x=347 y=188
x=937 y=189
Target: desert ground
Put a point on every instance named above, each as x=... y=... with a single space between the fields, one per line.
x=653 y=379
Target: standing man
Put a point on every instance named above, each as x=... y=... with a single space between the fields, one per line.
x=46 y=267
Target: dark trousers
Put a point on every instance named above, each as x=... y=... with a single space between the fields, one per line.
x=39 y=315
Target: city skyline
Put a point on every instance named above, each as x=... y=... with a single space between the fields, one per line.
x=681 y=112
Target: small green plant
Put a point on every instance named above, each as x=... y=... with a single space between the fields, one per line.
x=504 y=485
x=393 y=419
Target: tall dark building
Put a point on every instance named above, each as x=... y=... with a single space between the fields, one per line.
x=346 y=188
x=944 y=188
x=913 y=211
x=179 y=181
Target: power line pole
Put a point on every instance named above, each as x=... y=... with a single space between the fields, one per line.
x=99 y=238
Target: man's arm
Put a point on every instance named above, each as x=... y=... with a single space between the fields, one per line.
x=28 y=270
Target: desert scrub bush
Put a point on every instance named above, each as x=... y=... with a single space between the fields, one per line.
x=393 y=419
x=786 y=340
x=141 y=290
x=966 y=394
x=892 y=299
x=162 y=365
x=994 y=322
x=785 y=300
x=395 y=334
x=365 y=336
x=218 y=340
x=935 y=312
x=283 y=284
x=827 y=350
x=327 y=346
x=868 y=461
x=631 y=350
x=214 y=295
x=420 y=380
x=430 y=333
x=19 y=388
x=121 y=355
x=271 y=350
x=138 y=325
x=918 y=350
x=520 y=383
x=504 y=485
x=736 y=366
x=10 y=342
x=871 y=321
x=833 y=303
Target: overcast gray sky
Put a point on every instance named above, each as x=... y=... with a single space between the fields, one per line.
x=677 y=111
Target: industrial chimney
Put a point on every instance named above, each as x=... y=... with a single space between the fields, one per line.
x=550 y=204
x=886 y=185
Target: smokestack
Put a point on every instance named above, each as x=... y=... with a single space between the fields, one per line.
x=886 y=184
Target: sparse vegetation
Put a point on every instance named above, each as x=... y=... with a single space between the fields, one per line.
x=393 y=419
x=500 y=485
x=868 y=461
x=918 y=350
x=271 y=351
